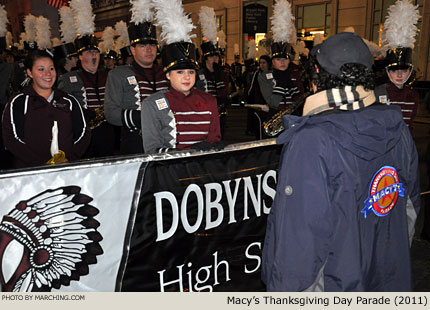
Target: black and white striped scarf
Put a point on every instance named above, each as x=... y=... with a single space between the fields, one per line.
x=345 y=98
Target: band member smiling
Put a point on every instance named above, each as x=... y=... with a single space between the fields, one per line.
x=182 y=116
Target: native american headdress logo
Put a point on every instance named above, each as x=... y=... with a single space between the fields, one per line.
x=48 y=241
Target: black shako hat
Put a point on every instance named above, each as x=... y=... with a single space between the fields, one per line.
x=111 y=54
x=209 y=49
x=64 y=50
x=398 y=58
x=179 y=55
x=143 y=33
x=126 y=52
x=343 y=48
x=282 y=50
x=30 y=46
x=85 y=43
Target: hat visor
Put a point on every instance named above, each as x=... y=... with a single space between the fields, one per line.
x=180 y=65
x=398 y=66
x=144 y=41
x=281 y=55
x=88 y=48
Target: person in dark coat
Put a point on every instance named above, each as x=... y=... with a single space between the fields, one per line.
x=347 y=196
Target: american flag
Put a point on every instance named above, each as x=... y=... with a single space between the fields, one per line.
x=58 y=3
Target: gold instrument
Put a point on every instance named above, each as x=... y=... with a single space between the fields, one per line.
x=59 y=157
x=99 y=119
x=275 y=125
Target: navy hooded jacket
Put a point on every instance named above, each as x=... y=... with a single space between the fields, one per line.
x=348 y=185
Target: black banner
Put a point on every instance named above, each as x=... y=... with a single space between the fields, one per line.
x=254 y=19
x=201 y=221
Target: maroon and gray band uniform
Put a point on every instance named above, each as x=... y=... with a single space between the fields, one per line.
x=126 y=88
x=172 y=120
x=89 y=90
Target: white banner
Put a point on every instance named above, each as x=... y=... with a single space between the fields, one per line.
x=64 y=229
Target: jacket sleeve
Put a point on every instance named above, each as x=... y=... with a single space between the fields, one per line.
x=13 y=131
x=73 y=89
x=413 y=184
x=113 y=97
x=266 y=88
x=215 y=129
x=223 y=85
x=300 y=222
x=81 y=131
x=152 y=127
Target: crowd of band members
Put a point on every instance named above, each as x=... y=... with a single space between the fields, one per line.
x=111 y=99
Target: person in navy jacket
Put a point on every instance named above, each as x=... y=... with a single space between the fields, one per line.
x=348 y=187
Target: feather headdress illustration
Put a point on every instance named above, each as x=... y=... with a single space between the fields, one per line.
x=48 y=241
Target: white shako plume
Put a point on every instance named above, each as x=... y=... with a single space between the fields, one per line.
x=22 y=39
x=301 y=49
x=318 y=39
x=283 y=27
x=43 y=33
x=175 y=24
x=30 y=28
x=207 y=19
x=54 y=142
x=400 y=25
x=3 y=21
x=108 y=38
x=262 y=48
x=9 y=39
x=67 y=26
x=56 y=42
x=141 y=11
x=252 y=49
x=221 y=39
x=375 y=49
x=236 y=49
x=123 y=39
x=83 y=17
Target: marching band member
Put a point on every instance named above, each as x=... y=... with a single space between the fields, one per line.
x=29 y=117
x=181 y=117
x=284 y=83
x=212 y=78
x=65 y=55
x=87 y=84
x=129 y=85
x=400 y=33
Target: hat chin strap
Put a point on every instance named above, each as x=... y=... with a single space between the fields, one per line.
x=404 y=81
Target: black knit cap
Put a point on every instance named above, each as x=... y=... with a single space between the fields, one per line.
x=343 y=48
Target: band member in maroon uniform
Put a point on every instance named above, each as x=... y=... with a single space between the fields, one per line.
x=128 y=85
x=87 y=85
x=181 y=117
x=400 y=35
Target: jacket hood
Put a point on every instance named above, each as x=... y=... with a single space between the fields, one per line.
x=368 y=132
